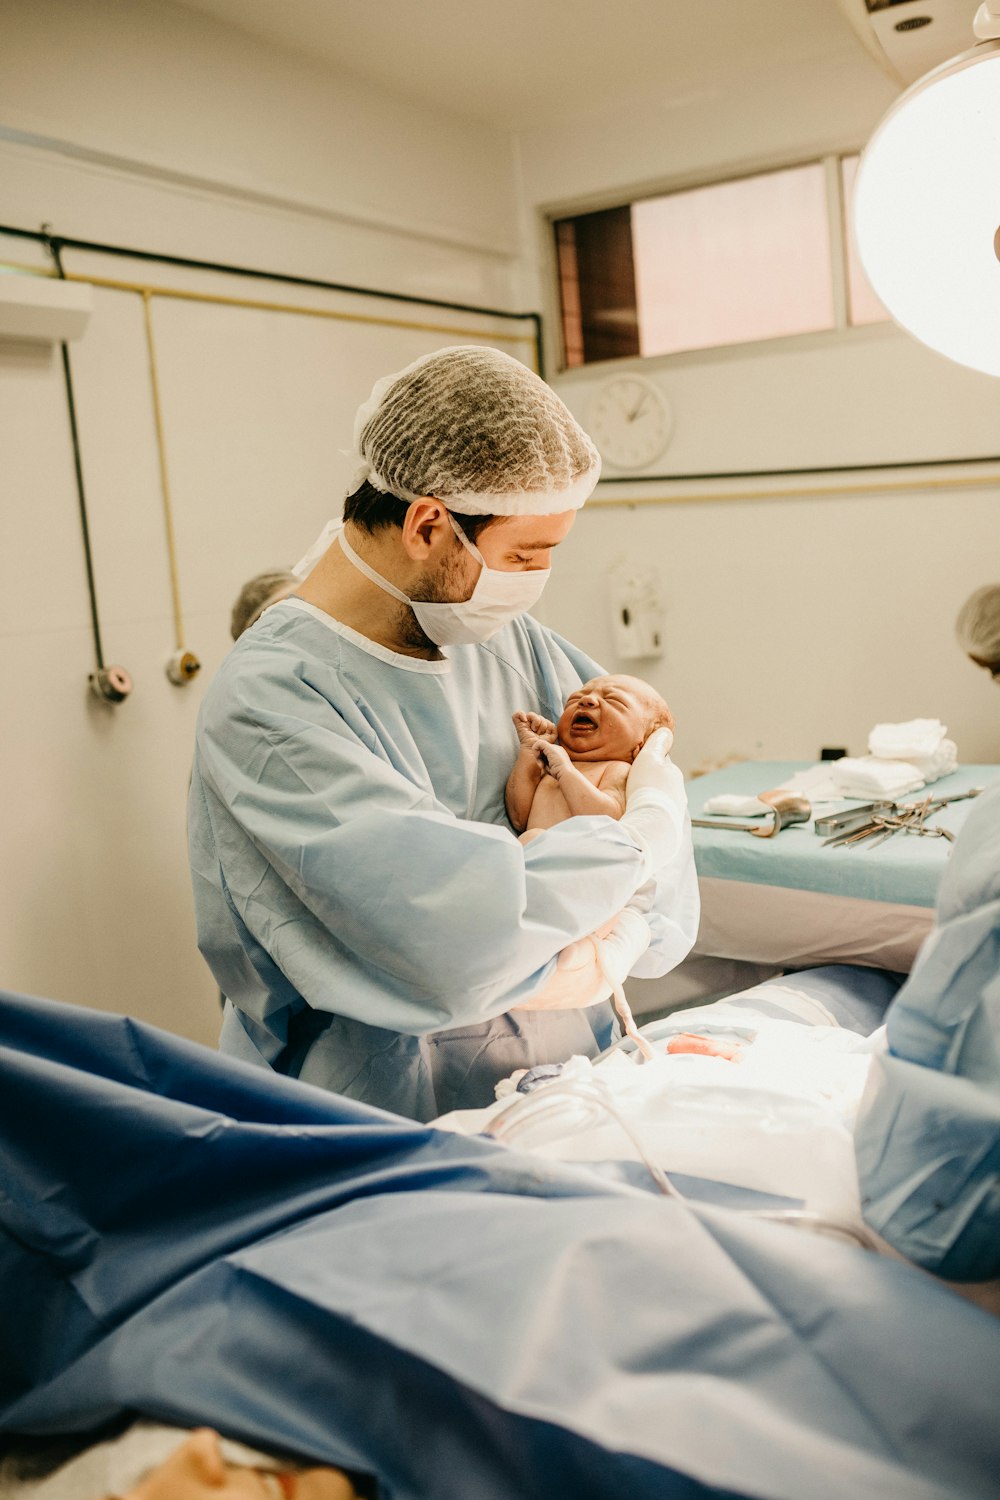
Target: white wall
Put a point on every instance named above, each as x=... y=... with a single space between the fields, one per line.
x=647 y=144
x=201 y=109
x=788 y=624
x=146 y=126
x=799 y=622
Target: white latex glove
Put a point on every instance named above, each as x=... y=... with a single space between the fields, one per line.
x=624 y=945
x=616 y=954
x=655 y=802
x=589 y=970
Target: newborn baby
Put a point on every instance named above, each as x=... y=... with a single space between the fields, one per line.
x=581 y=764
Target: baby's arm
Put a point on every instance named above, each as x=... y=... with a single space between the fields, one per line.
x=582 y=796
x=522 y=783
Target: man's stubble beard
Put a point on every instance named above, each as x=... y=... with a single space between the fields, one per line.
x=447 y=586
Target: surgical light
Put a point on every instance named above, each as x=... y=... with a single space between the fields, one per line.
x=927 y=204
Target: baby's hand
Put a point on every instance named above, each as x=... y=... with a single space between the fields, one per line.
x=531 y=727
x=552 y=758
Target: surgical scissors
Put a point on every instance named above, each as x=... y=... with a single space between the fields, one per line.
x=904 y=817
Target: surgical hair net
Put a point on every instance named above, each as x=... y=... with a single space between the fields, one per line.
x=479 y=431
x=978 y=624
x=255 y=594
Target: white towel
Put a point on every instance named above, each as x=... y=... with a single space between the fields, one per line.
x=729 y=805
x=916 y=738
x=815 y=782
x=869 y=776
x=941 y=763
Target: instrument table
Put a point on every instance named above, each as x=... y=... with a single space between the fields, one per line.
x=790 y=902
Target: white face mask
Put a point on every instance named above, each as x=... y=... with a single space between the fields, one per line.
x=497 y=598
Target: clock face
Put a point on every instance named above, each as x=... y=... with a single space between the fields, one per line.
x=630 y=421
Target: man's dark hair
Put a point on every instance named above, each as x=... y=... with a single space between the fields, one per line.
x=372 y=510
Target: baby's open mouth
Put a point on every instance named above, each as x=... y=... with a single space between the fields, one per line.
x=584 y=721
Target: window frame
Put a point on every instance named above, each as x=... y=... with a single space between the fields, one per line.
x=836 y=211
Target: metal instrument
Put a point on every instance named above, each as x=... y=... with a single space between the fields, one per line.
x=881 y=820
x=850 y=819
x=788 y=808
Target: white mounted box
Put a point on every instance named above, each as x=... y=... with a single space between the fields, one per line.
x=43 y=308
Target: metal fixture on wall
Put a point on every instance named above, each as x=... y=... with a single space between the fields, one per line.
x=183 y=666
x=111 y=684
x=251 y=273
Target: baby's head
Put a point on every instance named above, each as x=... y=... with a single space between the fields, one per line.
x=610 y=718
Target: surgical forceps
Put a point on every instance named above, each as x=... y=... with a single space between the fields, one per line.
x=890 y=818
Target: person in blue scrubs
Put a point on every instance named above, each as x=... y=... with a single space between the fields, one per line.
x=928 y=1131
x=360 y=896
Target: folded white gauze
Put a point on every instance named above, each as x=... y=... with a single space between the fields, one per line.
x=728 y=805
x=867 y=776
x=815 y=782
x=941 y=763
x=917 y=737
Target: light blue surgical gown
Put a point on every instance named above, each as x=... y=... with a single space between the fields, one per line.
x=928 y=1133
x=359 y=894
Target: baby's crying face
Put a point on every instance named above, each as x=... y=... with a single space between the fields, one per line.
x=606 y=719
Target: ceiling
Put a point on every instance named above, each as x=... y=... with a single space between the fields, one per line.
x=521 y=64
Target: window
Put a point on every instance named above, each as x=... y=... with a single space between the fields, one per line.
x=729 y=263
x=597 y=285
x=863 y=304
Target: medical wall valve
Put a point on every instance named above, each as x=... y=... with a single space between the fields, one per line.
x=182 y=666
x=110 y=684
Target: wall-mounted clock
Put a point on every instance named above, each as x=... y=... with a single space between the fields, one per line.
x=630 y=421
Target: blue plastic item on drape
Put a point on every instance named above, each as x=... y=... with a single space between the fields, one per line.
x=196 y=1240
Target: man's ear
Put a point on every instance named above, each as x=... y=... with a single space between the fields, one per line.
x=426 y=531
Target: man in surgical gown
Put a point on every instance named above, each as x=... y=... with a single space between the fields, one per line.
x=360 y=896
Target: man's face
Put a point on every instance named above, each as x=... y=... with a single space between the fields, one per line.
x=511 y=544
x=607 y=719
